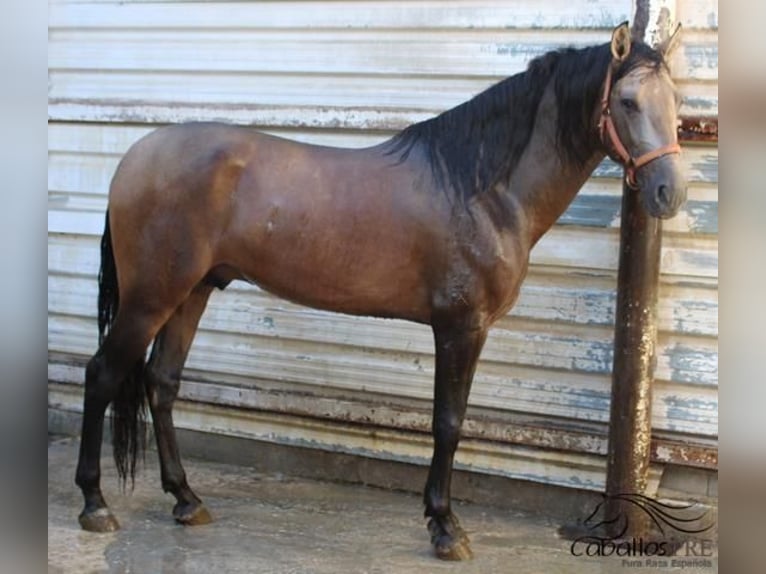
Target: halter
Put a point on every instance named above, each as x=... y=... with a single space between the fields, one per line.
x=612 y=141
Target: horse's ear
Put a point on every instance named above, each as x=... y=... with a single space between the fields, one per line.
x=621 y=42
x=669 y=44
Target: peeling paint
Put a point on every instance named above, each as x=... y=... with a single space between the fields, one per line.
x=704 y=216
x=687 y=314
x=526 y=51
x=703 y=56
x=691 y=410
x=604 y=211
x=701 y=259
x=708 y=167
x=692 y=365
x=592 y=210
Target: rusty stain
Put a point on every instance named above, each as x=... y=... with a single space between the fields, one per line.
x=577 y=437
x=698 y=129
x=684 y=453
x=574 y=437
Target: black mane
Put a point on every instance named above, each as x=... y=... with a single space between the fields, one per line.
x=478 y=144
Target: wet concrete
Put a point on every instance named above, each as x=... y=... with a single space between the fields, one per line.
x=276 y=524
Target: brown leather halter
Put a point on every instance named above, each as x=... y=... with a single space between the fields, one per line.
x=612 y=141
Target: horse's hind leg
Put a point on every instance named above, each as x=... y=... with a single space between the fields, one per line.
x=163 y=378
x=457 y=352
x=121 y=354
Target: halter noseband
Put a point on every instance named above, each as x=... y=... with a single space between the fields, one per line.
x=612 y=141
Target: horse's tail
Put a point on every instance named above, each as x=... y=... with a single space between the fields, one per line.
x=129 y=404
x=108 y=291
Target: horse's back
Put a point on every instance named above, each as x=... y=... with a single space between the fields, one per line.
x=190 y=157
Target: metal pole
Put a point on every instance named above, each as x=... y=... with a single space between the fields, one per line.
x=634 y=359
x=635 y=336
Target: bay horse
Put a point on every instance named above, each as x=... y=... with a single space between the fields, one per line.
x=433 y=226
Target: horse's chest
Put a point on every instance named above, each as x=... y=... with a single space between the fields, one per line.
x=504 y=284
x=486 y=275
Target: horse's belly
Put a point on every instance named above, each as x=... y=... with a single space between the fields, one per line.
x=344 y=293
x=356 y=274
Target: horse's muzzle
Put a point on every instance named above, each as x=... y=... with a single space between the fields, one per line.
x=663 y=187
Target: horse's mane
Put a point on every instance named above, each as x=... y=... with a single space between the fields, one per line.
x=478 y=144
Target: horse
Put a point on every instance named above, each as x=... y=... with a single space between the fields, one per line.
x=434 y=226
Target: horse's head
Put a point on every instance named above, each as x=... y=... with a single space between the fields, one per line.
x=639 y=121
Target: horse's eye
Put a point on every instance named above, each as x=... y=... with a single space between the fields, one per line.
x=629 y=104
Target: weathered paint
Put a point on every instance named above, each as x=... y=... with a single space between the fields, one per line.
x=489 y=457
x=701 y=60
x=177 y=61
x=698 y=14
x=516 y=428
x=695 y=317
x=693 y=365
x=604 y=211
x=457 y=14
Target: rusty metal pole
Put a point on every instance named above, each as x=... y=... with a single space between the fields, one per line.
x=634 y=358
x=635 y=336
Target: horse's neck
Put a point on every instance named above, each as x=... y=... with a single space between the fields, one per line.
x=544 y=183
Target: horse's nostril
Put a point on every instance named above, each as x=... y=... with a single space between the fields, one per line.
x=662 y=195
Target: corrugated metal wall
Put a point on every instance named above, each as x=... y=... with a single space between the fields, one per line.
x=350 y=73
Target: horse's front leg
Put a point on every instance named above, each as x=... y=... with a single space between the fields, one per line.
x=457 y=351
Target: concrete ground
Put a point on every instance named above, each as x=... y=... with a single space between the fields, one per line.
x=268 y=523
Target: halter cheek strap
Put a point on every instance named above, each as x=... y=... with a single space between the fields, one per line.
x=612 y=142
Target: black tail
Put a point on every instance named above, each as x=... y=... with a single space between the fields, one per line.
x=129 y=405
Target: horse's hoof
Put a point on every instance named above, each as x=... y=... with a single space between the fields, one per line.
x=99 y=520
x=194 y=514
x=450 y=542
x=454 y=550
